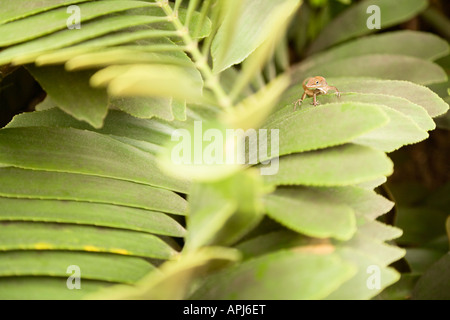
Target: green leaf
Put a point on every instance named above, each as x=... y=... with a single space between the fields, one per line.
x=54 y=20
x=48 y=236
x=382 y=66
x=365 y=203
x=245 y=30
x=77 y=151
x=415 y=93
x=72 y=93
x=353 y=21
x=93 y=266
x=279 y=275
x=399 y=131
x=338 y=166
x=413 y=111
x=323 y=126
x=11 y=11
x=433 y=285
x=45 y=288
x=311 y=212
x=91 y=214
x=116 y=124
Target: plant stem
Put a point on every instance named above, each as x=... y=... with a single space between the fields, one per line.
x=212 y=80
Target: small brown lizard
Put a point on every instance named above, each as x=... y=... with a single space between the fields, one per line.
x=313 y=87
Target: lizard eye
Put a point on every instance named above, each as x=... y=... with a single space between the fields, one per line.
x=317 y=82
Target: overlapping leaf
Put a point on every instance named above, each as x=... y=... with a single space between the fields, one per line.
x=353 y=22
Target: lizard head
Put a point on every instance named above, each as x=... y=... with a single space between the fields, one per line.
x=317 y=82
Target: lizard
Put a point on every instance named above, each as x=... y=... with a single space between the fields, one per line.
x=313 y=87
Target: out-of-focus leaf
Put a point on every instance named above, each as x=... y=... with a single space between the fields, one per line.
x=72 y=93
x=251 y=112
x=29 y=51
x=353 y=21
x=401 y=290
x=365 y=203
x=222 y=212
x=54 y=20
x=434 y=283
x=276 y=240
x=279 y=275
x=145 y=107
x=157 y=37
x=126 y=55
x=179 y=109
x=421 y=259
x=443 y=121
x=46 y=104
x=370 y=185
x=93 y=266
x=447 y=224
x=417 y=44
x=49 y=236
x=252 y=24
x=86 y=152
x=420 y=224
x=11 y=11
x=203 y=151
x=382 y=66
x=311 y=212
x=151 y=80
x=338 y=166
x=361 y=286
x=381 y=253
x=378 y=230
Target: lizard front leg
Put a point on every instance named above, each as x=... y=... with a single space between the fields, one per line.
x=335 y=89
x=299 y=101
